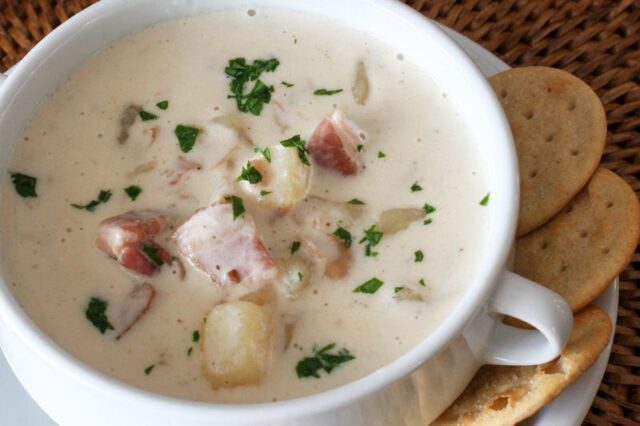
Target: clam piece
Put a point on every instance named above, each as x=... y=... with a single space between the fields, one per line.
x=407 y=293
x=137 y=304
x=394 y=220
x=127 y=119
x=236 y=123
x=360 y=88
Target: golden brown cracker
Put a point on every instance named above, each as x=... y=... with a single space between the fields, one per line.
x=583 y=248
x=559 y=127
x=501 y=395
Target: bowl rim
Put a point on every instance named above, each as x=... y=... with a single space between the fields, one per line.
x=507 y=204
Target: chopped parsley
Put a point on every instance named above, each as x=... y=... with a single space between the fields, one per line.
x=422 y=283
x=189 y=351
x=344 y=235
x=250 y=174
x=149 y=369
x=428 y=208
x=322 y=360
x=25 y=185
x=359 y=147
x=356 y=202
x=264 y=193
x=326 y=92
x=298 y=143
x=415 y=187
x=295 y=246
x=103 y=197
x=96 y=313
x=485 y=200
x=286 y=83
x=398 y=289
x=237 y=205
x=163 y=105
x=242 y=73
x=153 y=254
x=381 y=154
x=147 y=116
x=427 y=221
x=300 y=276
x=265 y=152
x=133 y=191
x=369 y=287
x=419 y=256
x=186 y=137
x=195 y=336
x=372 y=238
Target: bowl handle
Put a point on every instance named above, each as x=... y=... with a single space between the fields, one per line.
x=536 y=305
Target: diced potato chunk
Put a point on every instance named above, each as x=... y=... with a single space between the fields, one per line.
x=236 y=344
x=394 y=220
x=295 y=278
x=285 y=180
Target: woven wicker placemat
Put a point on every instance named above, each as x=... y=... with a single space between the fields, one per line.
x=599 y=41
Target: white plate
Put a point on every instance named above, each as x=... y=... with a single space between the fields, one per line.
x=570 y=408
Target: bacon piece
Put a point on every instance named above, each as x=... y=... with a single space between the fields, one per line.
x=135 y=306
x=125 y=236
x=334 y=144
x=227 y=250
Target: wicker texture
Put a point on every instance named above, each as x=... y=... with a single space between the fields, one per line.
x=598 y=41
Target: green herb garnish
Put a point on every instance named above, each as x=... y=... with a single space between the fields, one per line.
x=485 y=200
x=147 y=116
x=189 y=351
x=322 y=360
x=242 y=73
x=133 y=191
x=237 y=205
x=369 y=287
x=96 y=313
x=344 y=235
x=186 y=137
x=265 y=152
x=359 y=147
x=372 y=238
x=149 y=369
x=422 y=283
x=264 y=193
x=415 y=187
x=427 y=221
x=250 y=174
x=428 y=208
x=153 y=253
x=398 y=289
x=295 y=246
x=195 y=336
x=25 y=185
x=163 y=104
x=300 y=276
x=286 y=83
x=103 y=197
x=356 y=202
x=326 y=92
x=419 y=256
x=298 y=143
x=381 y=154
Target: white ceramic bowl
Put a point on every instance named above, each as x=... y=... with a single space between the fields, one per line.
x=411 y=390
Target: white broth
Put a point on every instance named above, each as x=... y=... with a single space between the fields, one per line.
x=417 y=153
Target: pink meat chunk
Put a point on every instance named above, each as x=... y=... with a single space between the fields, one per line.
x=334 y=144
x=228 y=250
x=126 y=237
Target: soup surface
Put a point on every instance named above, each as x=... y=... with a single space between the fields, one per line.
x=357 y=244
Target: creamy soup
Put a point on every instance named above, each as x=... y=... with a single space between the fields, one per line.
x=147 y=230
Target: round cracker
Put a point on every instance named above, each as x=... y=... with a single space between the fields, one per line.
x=501 y=395
x=583 y=248
x=559 y=127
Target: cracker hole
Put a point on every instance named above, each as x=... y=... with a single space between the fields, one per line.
x=499 y=403
x=544 y=245
x=528 y=115
x=583 y=234
x=569 y=209
x=574 y=152
x=606 y=250
x=609 y=204
x=533 y=174
x=564 y=267
x=548 y=138
x=572 y=105
x=503 y=93
x=548 y=89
